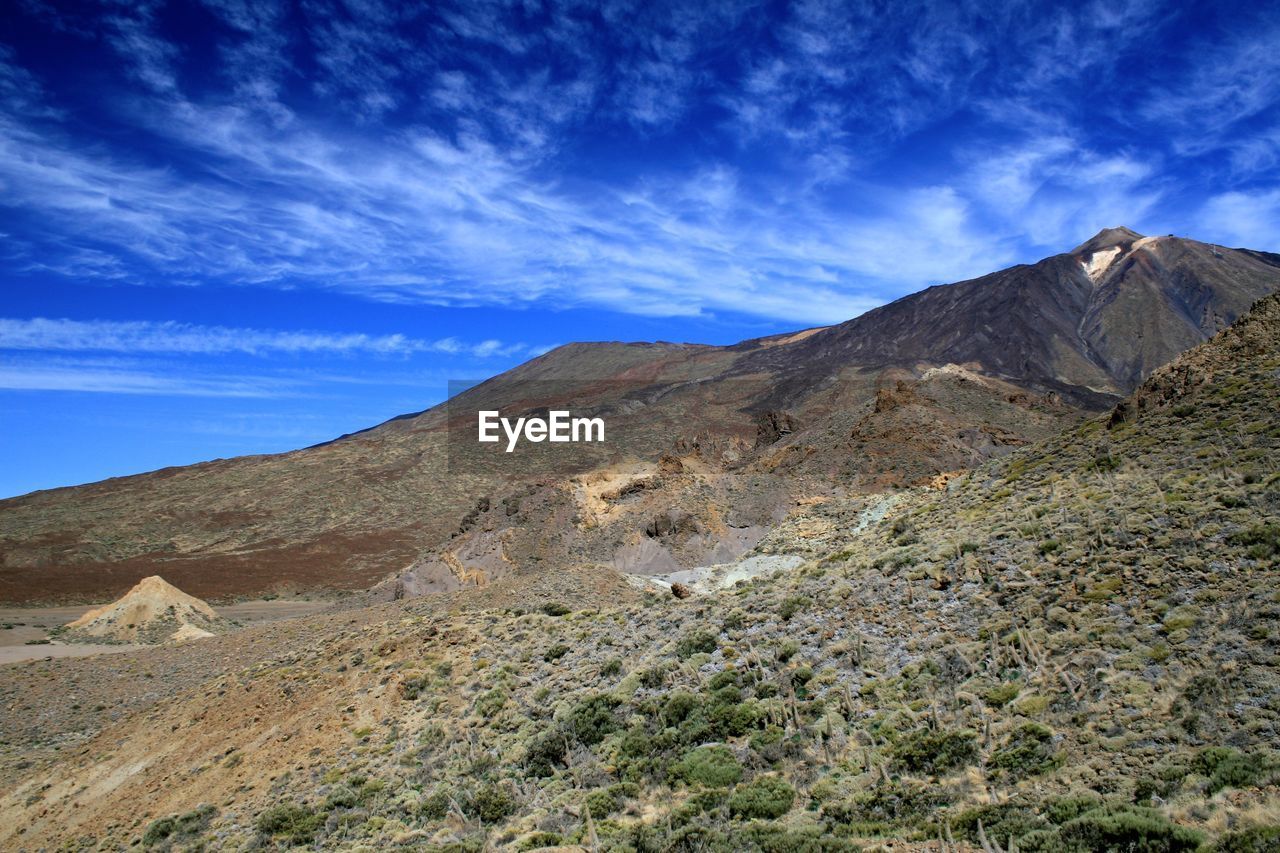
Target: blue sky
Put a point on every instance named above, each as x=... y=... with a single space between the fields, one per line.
x=234 y=227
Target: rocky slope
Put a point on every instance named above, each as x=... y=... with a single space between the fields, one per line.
x=1023 y=352
x=1071 y=647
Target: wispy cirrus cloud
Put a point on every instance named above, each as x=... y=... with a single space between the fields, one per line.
x=136 y=337
x=1241 y=218
x=90 y=378
x=479 y=168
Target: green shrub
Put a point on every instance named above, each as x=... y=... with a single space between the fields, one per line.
x=1067 y=808
x=179 y=828
x=1129 y=828
x=290 y=822
x=772 y=838
x=713 y=766
x=733 y=718
x=555 y=652
x=436 y=806
x=801 y=676
x=1000 y=822
x=725 y=678
x=605 y=801
x=1001 y=694
x=1228 y=768
x=1262 y=539
x=653 y=677
x=767 y=797
x=613 y=667
x=341 y=798
x=1028 y=751
x=555 y=608
x=413 y=687
x=678 y=707
x=933 y=752
x=544 y=753
x=887 y=803
x=1260 y=839
x=787 y=650
x=793 y=605
x=592 y=720
x=697 y=642
x=493 y=803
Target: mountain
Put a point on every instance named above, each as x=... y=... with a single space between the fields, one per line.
x=1071 y=647
x=1090 y=323
x=708 y=446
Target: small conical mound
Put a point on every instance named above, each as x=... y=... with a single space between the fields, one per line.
x=154 y=611
x=1107 y=238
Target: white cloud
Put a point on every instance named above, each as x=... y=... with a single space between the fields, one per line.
x=1055 y=191
x=1250 y=219
x=138 y=337
x=463 y=198
x=117 y=381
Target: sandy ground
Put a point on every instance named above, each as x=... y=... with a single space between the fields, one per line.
x=21 y=624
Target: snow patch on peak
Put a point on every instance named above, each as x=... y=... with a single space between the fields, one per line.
x=1096 y=265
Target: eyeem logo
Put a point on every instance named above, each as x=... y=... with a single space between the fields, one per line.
x=556 y=427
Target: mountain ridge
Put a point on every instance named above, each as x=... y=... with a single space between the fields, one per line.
x=1052 y=342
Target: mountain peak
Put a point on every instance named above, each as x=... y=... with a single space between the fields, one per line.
x=1107 y=238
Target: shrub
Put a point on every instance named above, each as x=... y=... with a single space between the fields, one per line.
x=679 y=706
x=1262 y=540
x=340 y=798
x=654 y=677
x=1260 y=839
x=179 y=827
x=1071 y=807
x=891 y=802
x=555 y=652
x=1001 y=694
x=1000 y=821
x=732 y=718
x=725 y=678
x=290 y=822
x=801 y=676
x=1228 y=768
x=1132 y=828
x=493 y=803
x=695 y=643
x=555 y=608
x=605 y=801
x=713 y=766
x=592 y=720
x=545 y=753
x=436 y=806
x=613 y=667
x=792 y=605
x=1027 y=751
x=771 y=838
x=929 y=751
x=767 y=797
x=413 y=687
x=491 y=702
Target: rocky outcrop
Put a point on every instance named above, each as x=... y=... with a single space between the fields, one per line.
x=154 y=611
